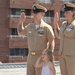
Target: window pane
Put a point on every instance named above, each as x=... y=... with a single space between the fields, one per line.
x=14 y=31
x=62 y=14
x=12 y=51
x=19 y=51
x=49 y=13
x=18 y=11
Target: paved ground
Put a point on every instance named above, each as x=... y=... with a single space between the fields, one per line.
x=19 y=69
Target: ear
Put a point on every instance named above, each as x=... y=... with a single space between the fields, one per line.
x=43 y=14
x=74 y=14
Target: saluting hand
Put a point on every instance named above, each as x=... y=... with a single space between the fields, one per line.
x=56 y=17
x=22 y=17
x=56 y=25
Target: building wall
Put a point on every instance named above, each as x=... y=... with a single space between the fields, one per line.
x=8 y=22
x=4 y=31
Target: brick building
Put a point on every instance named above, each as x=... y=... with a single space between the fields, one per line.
x=12 y=47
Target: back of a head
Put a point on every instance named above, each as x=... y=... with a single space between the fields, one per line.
x=50 y=55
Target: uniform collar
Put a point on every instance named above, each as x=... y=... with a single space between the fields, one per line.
x=73 y=22
x=42 y=23
x=32 y=25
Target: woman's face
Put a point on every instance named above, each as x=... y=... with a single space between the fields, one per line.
x=68 y=14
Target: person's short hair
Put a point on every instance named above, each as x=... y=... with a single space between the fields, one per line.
x=50 y=55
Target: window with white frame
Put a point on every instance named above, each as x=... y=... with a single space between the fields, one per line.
x=17 y=12
x=62 y=15
x=49 y=16
x=18 y=51
x=14 y=31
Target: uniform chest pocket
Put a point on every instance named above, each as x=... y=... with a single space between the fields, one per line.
x=41 y=33
x=30 y=34
x=69 y=28
x=70 y=32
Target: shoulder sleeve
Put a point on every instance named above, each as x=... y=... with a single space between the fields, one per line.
x=64 y=23
x=26 y=29
x=50 y=33
x=24 y=32
x=70 y=31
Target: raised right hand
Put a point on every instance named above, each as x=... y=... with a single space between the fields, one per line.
x=56 y=25
x=22 y=17
x=56 y=17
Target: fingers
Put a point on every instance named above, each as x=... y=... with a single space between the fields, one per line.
x=56 y=14
x=22 y=14
x=22 y=17
x=56 y=17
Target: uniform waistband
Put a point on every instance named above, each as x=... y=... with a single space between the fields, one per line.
x=34 y=52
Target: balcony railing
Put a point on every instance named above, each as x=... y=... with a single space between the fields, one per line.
x=16 y=41
x=51 y=19
x=68 y=0
x=17 y=16
x=16 y=36
x=62 y=18
x=46 y=1
x=14 y=56
x=48 y=19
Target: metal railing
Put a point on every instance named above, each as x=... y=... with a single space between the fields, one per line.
x=46 y=1
x=16 y=36
x=48 y=19
x=17 y=56
x=68 y=0
x=62 y=18
x=17 y=16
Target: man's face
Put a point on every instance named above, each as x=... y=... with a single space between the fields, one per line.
x=38 y=16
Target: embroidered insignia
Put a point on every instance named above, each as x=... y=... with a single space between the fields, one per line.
x=69 y=28
x=41 y=31
x=34 y=8
x=29 y=32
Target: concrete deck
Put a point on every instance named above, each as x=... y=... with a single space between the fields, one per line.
x=20 y=69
